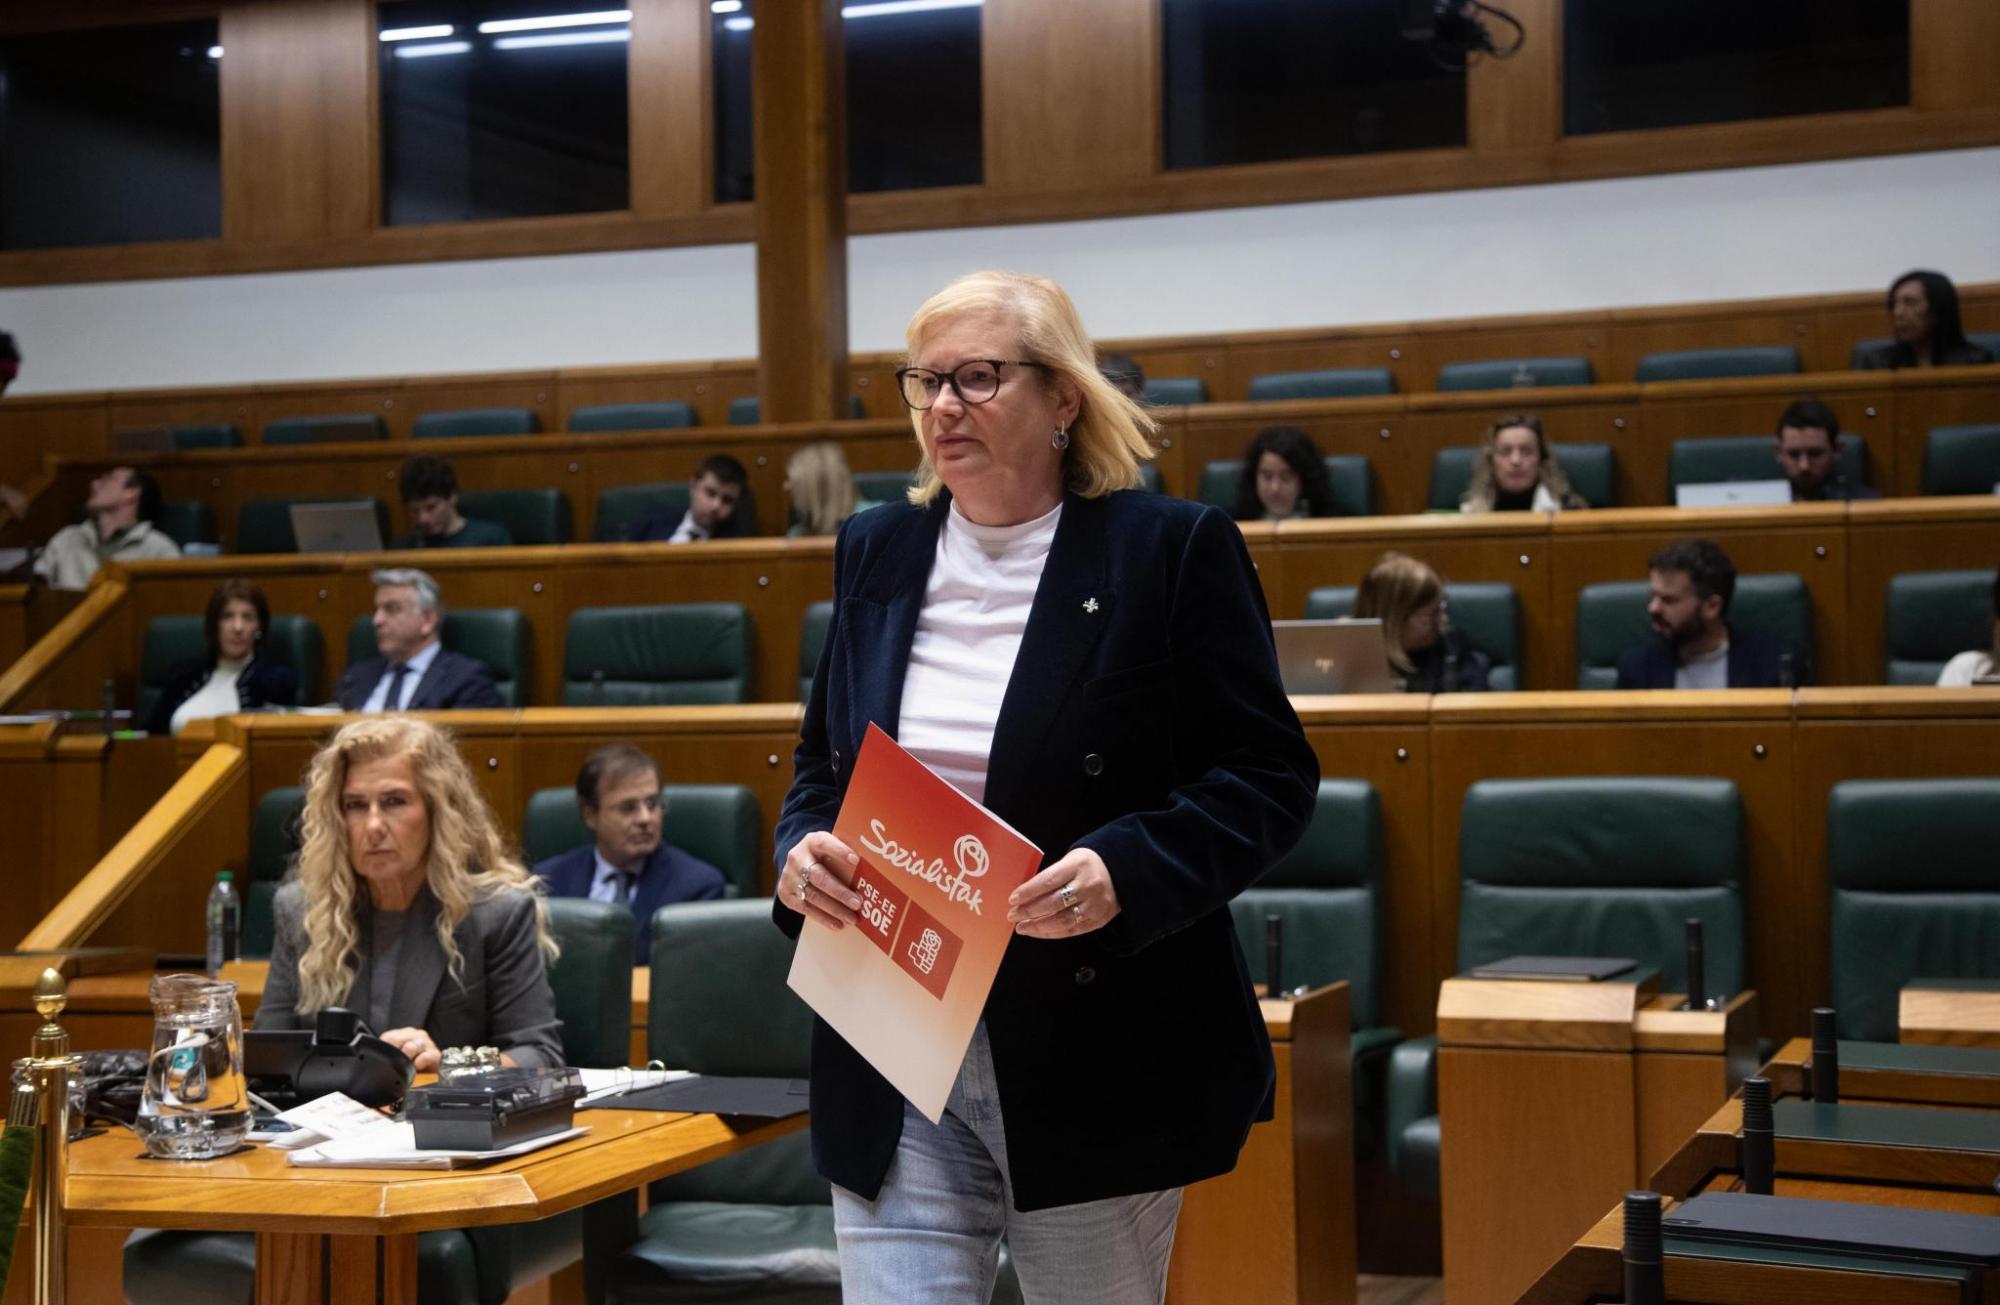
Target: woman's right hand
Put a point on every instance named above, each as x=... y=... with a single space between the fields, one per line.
x=808 y=884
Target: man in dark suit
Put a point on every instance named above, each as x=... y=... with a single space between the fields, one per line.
x=1809 y=454
x=713 y=494
x=414 y=671
x=618 y=794
x=1694 y=647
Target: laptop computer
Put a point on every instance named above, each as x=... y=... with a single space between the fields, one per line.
x=1343 y=656
x=341 y=527
x=1734 y=493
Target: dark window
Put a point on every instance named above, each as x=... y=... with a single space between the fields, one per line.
x=1629 y=66
x=914 y=118
x=110 y=136
x=1250 y=81
x=503 y=109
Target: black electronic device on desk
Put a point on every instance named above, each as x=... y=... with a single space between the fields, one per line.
x=485 y=1112
x=289 y=1067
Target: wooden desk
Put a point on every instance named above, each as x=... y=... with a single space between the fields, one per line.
x=1947 y=1014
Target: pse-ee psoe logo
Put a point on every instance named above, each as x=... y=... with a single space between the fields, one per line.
x=920 y=944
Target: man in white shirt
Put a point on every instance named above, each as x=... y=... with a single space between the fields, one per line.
x=1976 y=665
x=414 y=671
x=713 y=496
x=117 y=526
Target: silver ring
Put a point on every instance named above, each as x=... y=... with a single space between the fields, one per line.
x=1067 y=894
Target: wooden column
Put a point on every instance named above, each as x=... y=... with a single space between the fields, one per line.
x=799 y=73
x=1515 y=104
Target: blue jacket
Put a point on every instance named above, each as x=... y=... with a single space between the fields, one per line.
x=1756 y=661
x=1145 y=720
x=671 y=875
x=453 y=681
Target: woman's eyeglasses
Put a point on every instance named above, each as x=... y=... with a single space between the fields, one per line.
x=975 y=381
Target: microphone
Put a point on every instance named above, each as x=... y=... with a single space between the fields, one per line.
x=1825 y=1057
x=1645 y=1263
x=1274 y=954
x=1697 y=969
x=1757 y=1155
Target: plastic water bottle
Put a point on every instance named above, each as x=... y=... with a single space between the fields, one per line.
x=225 y=923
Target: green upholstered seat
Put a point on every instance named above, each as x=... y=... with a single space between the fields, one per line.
x=186 y=521
x=532 y=516
x=715 y=822
x=1962 y=459
x=501 y=637
x=274 y=841
x=1149 y=479
x=812 y=637
x=1515 y=373
x=469 y=422
x=1347 y=474
x=620 y=507
x=667 y=655
x=1933 y=616
x=1591 y=468
x=1910 y=869
x=264 y=525
x=1175 y=391
x=293 y=641
x=884 y=486
x=669 y=415
x=592 y=980
x=747 y=411
x=219 y=435
x=1715 y=459
x=1327 y=383
x=335 y=428
x=1611 y=617
x=1488 y=613
x=1715 y=364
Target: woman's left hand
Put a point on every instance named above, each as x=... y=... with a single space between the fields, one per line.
x=1071 y=897
x=417 y=1045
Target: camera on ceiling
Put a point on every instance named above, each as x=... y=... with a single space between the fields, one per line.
x=1456 y=30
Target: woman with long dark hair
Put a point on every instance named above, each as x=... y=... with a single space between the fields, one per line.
x=1284 y=476
x=1923 y=313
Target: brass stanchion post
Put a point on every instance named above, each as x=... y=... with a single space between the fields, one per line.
x=49 y=1066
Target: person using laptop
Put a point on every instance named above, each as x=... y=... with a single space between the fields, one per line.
x=627 y=861
x=430 y=501
x=1689 y=585
x=713 y=494
x=1809 y=454
x=1976 y=665
x=1425 y=653
x=414 y=672
x=117 y=526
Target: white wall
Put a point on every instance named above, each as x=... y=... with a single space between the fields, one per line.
x=1746 y=233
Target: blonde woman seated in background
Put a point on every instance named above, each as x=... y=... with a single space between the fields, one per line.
x=1424 y=651
x=1517 y=472
x=822 y=490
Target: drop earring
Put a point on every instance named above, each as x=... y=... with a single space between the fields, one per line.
x=1059 y=440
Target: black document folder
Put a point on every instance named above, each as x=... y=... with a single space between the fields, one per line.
x=757 y=1098
x=1793 y=1223
x=1560 y=969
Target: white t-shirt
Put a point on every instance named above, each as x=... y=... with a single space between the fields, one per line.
x=218 y=697
x=1705 y=670
x=982 y=585
x=1962 y=670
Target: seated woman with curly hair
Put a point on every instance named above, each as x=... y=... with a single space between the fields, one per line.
x=1284 y=476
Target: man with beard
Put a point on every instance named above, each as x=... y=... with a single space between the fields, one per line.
x=1689 y=586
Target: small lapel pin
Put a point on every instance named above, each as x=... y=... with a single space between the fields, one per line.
x=1090 y=605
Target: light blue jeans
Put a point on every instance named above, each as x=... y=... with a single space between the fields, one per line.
x=934 y=1232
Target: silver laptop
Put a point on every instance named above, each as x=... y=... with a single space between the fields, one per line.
x=1344 y=656
x=1734 y=493
x=343 y=527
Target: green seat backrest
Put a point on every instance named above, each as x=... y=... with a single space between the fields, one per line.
x=1715 y=459
x=501 y=637
x=532 y=516
x=1149 y=479
x=620 y=507
x=169 y=641
x=274 y=841
x=748 y=412
x=668 y=655
x=1611 y=617
x=1347 y=474
x=220 y=435
x=592 y=980
x=1603 y=866
x=716 y=822
x=1328 y=383
x=1910 y=867
x=884 y=486
x=1933 y=616
x=1328 y=892
x=1488 y=613
x=1591 y=469
x=186 y=521
x=264 y=525
x=296 y=641
x=1175 y=391
x=467 y=422
x=1513 y=373
x=1707 y=364
x=1962 y=459
x=664 y=415
x=337 y=428
x=720 y=1005
x=812 y=638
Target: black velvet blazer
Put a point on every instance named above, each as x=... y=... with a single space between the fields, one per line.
x=1145 y=720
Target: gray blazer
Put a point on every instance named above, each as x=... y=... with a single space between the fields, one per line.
x=501 y=998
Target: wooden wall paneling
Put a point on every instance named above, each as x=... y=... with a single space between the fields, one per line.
x=1385 y=740
x=1954 y=47
x=30 y=813
x=670 y=90
x=1071 y=93
x=1806 y=538
x=1873 y=734
x=298 y=121
x=1887 y=538
x=1596 y=414
x=71 y=425
x=519 y=462
x=1842 y=326
x=708 y=386
x=182 y=408
x=1632 y=338
x=1169 y=440
x=1200 y=362
x=1744 y=736
x=1434 y=349
x=370 y=397
x=1389 y=346
x=873 y=381
x=1673 y=410
x=535 y=391
x=365 y=470
x=1514 y=105
x=1955 y=396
